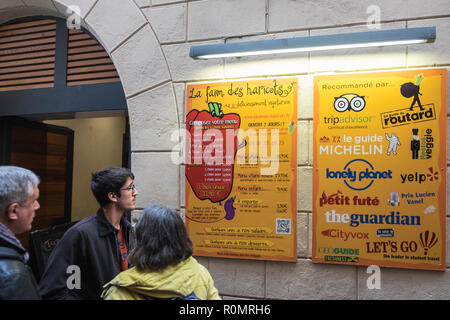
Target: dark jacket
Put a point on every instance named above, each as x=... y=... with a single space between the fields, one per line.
x=91 y=244
x=17 y=282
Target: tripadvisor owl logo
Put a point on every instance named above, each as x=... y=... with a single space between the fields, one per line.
x=349 y=101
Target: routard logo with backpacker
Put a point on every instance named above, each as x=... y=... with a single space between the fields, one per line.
x=415 y=113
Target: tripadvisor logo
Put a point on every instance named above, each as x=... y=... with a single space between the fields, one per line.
x=358 y=174
x=348 y=119
x=348 y=102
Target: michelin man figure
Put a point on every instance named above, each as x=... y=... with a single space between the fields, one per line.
x=393 y=143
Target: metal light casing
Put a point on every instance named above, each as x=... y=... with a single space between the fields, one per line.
x=316 y=43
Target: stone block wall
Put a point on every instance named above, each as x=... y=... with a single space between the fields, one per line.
x=217 y=21
x=149 y=42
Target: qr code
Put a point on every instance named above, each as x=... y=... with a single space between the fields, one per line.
x=283 y=226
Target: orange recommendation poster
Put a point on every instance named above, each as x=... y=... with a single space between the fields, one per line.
x=241 y=169
x=379 y=186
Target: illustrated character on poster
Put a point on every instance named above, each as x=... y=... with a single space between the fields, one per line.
x=291 y=127
x=230 y=210
x=393 y=143
x=410 y=89
x=415 y=144
x=394 y=199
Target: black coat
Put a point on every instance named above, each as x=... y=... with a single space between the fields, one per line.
x=91 y=244
x=16 y=279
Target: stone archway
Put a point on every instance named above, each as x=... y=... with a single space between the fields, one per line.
x=128 y=37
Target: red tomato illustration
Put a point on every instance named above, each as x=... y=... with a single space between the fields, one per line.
x=212 y=149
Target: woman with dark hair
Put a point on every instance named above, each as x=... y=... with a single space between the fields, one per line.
x=163 y=264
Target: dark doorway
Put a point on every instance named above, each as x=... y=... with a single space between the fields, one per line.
x=47 y=150
x=49 y=73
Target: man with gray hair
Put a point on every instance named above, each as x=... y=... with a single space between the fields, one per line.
x=18 y=203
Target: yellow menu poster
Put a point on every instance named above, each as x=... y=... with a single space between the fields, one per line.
x=241 y=169
x=379 y=186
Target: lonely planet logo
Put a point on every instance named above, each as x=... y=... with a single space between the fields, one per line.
x=358 y=174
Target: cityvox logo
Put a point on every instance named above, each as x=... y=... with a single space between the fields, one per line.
x=344 y=235
x=358 y=174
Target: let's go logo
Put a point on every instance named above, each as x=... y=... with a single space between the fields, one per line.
x=358 y=174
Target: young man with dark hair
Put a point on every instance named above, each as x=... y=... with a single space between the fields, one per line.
x=94 y=250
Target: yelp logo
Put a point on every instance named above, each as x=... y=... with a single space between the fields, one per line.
x=430 y=175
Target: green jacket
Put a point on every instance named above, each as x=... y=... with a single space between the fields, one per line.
x=180 y=280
